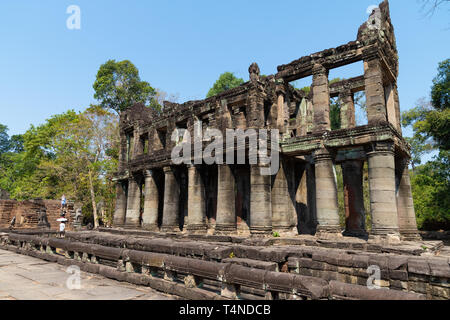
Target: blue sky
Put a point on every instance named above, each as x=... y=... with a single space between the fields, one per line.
x=182 y=46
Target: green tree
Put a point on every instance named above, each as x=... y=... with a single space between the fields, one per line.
x=418 y=149
x=4 y=139
x=431 y=192
x=16 y=143
x=118 y=87
x=431 y=121
x=225 y=82
x=71 y=153
x=430 y=182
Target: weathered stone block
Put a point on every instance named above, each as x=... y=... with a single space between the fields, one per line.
x=349 y=291
x=245 y=276
x=277 y=281
x=269 y=266
x=360 y=261
x=398 y=275
x=398 y=262
x=439 y=268
x=418 y=266
x=313 y=287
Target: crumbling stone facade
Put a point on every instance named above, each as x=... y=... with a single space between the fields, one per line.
x=27 y=213
x=155 y=194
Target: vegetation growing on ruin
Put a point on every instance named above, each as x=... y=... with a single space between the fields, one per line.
x=118 y=87
x=225 y=82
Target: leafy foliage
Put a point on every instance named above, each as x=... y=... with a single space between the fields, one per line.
x=118 y=86
x=71 y=153
x=225 y=82
x=431 y=121
x=4 y=139
x=431 y=127
x=431 y=193
x=440 y=92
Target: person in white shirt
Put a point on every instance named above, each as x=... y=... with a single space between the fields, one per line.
x=62 y=227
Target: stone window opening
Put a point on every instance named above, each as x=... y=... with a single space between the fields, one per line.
x=130 y=146
x=161 y=136
x=182 y=133
x=144 y=144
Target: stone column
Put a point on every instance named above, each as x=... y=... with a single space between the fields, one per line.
x=151 y=202
x=196 y=201
x=121 y=205
x=260 y=201
x=133 y=204
x=170 y=221
x=326 y=193
x=375 y=99
x=355 y=214
x=405 y=206
x=347 y=109
x=226 y=215
x=321 y=98
x=282 y=206
x=383 y=200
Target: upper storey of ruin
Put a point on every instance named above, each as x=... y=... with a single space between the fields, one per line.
x=270 y=102
x=375 y=40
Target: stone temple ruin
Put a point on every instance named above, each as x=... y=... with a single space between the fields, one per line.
x=184 y=229
x=302 y=196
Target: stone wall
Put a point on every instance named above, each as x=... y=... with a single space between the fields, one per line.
x=26 y=213
x=205 y=270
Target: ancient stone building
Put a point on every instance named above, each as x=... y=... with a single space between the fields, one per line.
x=155 y=194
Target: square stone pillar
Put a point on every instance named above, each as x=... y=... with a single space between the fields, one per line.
x=405 y=206
x=301 y=121
x=355 y=213
x=383 y=200
x=151 y=202
x=170 y=221
x=133 y=203
x=326 y=194
x=123 y=157
x=260 y=201
x=281 y=121
x=321 y=98
x=391 y=105
x=226 y=211
x=397 y=108
x=196 y=202
x=375 y=98
x=347 y=109
x=121 y=204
